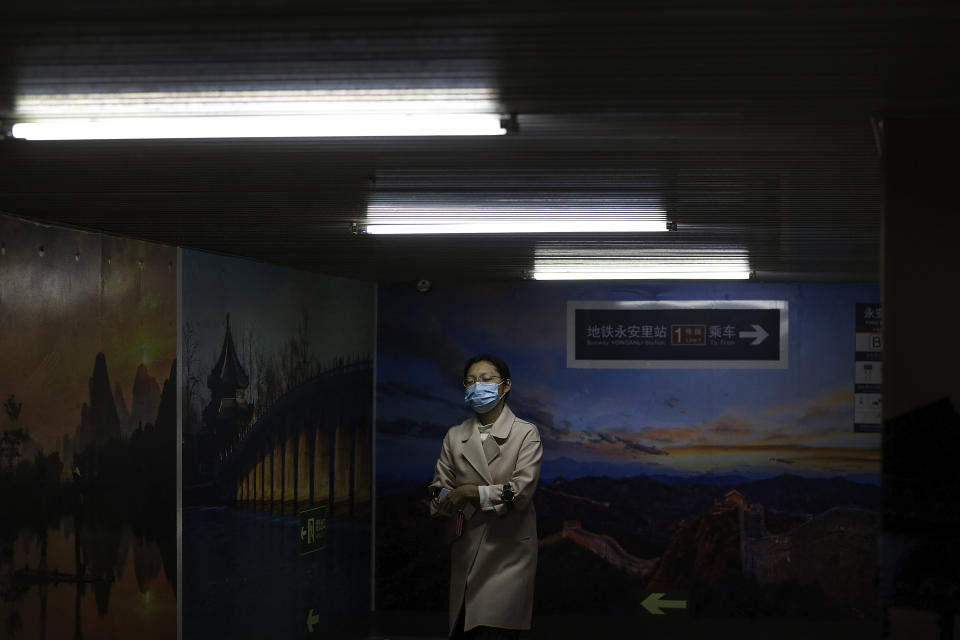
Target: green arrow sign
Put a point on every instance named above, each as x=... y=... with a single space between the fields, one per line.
x=659 y=603
x=313 y=529
x=313 y=618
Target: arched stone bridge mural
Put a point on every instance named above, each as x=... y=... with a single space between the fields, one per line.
x=312 y=447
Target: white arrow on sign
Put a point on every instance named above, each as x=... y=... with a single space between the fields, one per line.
x=758 y=334
x=655 y=604
x=303 y=533
x=312 y=619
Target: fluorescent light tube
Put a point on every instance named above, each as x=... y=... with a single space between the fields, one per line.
x=631 y=268
x=521 y=226
x=145 y=104
x=573 y=274
x=507 y=210
x=257 y=114
x=260 y=127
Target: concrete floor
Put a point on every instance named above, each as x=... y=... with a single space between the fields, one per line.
x=428 y=626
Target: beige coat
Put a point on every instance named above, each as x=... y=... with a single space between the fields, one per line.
x=494 y=562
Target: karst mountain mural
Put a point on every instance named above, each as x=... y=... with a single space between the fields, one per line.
x=88 y=436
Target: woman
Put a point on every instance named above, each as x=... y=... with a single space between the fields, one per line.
x=490 y=464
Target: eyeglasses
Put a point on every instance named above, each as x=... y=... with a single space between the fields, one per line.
x=483 y=377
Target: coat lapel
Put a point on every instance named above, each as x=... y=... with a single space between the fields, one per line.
x=501 y=428
x=491 y=449
x=481 y=454
x=498 y=433
x=473 y=450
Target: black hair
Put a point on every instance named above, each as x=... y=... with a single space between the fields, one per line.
x=502 y=368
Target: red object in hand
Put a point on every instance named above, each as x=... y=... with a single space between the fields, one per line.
x=453 y=527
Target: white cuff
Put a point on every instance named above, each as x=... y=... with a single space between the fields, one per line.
x=485 y=502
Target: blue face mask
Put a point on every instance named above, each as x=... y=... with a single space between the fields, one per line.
x=482 y=396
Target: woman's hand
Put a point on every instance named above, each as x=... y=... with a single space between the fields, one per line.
x=461 y=495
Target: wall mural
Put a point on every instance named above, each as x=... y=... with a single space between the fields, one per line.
x=87 y=435
x=738 y=492
x=277 y=419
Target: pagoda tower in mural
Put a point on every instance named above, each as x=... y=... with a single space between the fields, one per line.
x=228 y=412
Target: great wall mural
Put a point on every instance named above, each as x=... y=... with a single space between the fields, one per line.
x=747 y=491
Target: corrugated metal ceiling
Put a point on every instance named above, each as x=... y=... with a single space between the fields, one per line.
x=752 y=124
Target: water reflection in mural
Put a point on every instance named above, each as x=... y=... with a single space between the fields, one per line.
x=70 y=582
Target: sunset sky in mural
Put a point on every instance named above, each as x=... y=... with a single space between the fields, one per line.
x=672 y=421
x=76 y=294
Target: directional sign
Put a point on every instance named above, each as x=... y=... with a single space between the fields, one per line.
x=683 y=334
x=758 y=334
x=313 y=529
x=660 y=603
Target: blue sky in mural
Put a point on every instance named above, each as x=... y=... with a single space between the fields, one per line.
x=754 y=423
x=268 y=307
x=270 y=301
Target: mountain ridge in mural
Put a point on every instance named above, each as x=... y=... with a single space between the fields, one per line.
x=639 y=533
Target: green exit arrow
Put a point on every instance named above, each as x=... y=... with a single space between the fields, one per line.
x=312 y=619
x=655 y=603
x=313 y=529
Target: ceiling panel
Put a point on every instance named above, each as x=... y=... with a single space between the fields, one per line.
x=755 y=122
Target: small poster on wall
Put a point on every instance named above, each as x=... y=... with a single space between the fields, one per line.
x=867 y=406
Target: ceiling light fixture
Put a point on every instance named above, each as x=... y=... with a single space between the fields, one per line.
x=508 y=209
x=258 y=114
x=260 y=127
x=520 y=226
x=604 y=273
x=661 y=268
